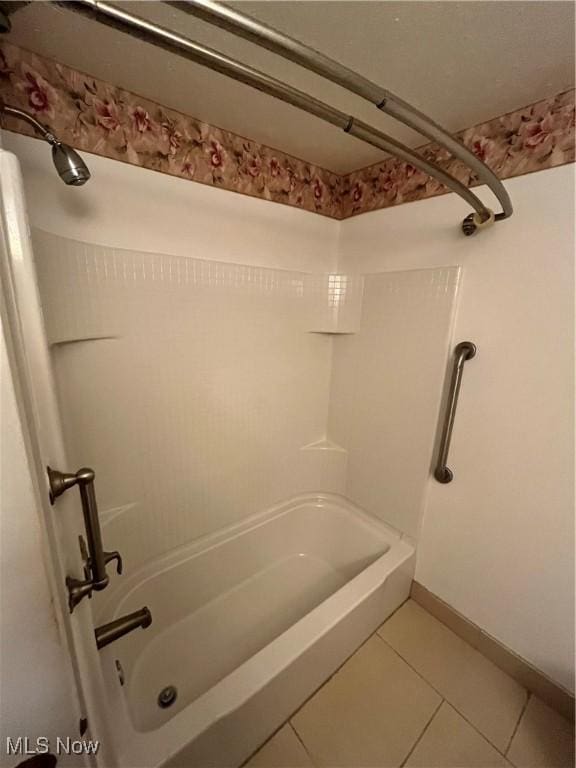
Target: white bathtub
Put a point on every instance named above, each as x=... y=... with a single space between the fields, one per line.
x=247 y=623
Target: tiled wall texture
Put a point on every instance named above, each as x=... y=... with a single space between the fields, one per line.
x=386 y=387
x=194 y=408
x=338 y=302
x=200 y=395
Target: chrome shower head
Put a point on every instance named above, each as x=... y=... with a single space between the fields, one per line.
x=70 y=166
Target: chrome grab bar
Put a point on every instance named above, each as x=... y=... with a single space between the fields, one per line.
x=169 y=40
x=95 y=559
x=241 y=25
x=462 y=352
x=114 y=630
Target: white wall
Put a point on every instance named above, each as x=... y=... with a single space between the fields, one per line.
x=124 y=206
x=498 y=542
x=42 y=703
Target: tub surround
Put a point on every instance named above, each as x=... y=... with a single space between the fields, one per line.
x=307 y=408
x=101 y=118
x=386 y=386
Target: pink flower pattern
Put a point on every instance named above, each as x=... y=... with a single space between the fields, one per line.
x=97 y=117
x=531 y=139
x=216 y=154
x=107 y=115
x=142 y=121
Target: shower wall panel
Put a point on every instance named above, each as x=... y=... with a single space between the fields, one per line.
x=190 y=386
x=386 y=388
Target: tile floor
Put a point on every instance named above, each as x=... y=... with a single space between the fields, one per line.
x=417 y=695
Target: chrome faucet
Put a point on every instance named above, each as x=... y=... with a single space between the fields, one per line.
x=116 y=629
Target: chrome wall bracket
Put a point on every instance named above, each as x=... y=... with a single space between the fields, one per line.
x=93 y=555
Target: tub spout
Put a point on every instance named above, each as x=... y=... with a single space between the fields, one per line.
x=107 y=633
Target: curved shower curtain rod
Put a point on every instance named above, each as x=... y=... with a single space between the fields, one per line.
x=244 y=26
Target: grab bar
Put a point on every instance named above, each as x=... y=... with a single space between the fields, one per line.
x=241 y=25
x=169 y=40
x=95 y=576
x=463 y=351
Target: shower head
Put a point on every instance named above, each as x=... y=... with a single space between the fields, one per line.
x=70 y=166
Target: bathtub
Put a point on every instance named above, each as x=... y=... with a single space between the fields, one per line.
x=247 y=624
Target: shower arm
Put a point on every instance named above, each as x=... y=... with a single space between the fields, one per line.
x=70 y=166
x=5 y=109
x=173 y=42
x=244 y=26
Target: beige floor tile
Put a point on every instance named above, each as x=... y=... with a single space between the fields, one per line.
x=369 y=714
x=544 y=739
x=487 y=697
x=283 y=750
x=451 y=742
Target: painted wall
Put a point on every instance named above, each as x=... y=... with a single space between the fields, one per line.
x=498 y=542
x=42 y=703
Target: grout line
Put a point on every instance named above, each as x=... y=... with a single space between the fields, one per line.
x=462 y=715
x=325 y=683
x=346 y=660
x=317 y=690
x=419 y=739
x=394 y=612
x=251 y=755
x=521 y=715
x=293 y=727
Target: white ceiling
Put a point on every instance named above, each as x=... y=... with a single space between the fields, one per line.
x=461 y=62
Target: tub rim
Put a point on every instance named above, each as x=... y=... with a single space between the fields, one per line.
x=109 y=607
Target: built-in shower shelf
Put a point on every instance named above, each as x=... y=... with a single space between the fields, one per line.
x=332 y=332
x=81 y=339
x=336 y=303
x=325 y=460
x=324 y=445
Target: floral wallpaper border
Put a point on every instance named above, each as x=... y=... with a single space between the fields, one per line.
x=534 y=138
x=97 y=117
